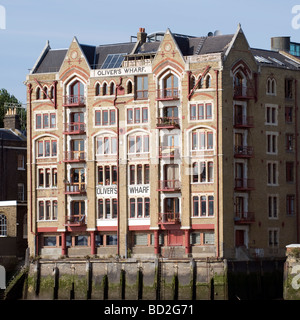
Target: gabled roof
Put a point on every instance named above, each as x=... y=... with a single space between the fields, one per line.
x=51 y=60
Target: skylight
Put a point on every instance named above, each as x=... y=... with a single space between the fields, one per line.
x=262 y=59
x=113 y=61
x=277 y=61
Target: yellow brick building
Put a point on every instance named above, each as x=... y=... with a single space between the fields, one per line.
x=169 y=145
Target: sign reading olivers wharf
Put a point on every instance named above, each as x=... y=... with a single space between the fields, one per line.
x=132 y=190
x=121 y=71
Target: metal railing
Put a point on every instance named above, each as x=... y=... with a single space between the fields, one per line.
x=244 y=184
x=74 y=156
x=168 y=185
x=76 y=219
x=169 y=217
x=243 y=122
x=243 y=152
x=167 y=94
x=75 y=188
x=74 y=127
x=74 y=100
x=167 y=122
x=244 y=217
x=168 y=151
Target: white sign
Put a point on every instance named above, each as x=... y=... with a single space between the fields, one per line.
x=141 y=189
x=121 y=71
x=106 y=191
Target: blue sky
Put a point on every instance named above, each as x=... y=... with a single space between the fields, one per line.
x=30 y=23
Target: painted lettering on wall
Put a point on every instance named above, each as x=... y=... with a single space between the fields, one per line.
x=122 y=71
x=138 y=189
x=106 y=190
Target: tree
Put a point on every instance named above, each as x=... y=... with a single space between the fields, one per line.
x=5 y=97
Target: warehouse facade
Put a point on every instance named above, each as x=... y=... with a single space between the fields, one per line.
x=169 y=145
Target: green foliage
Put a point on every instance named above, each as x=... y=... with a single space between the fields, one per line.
x=6 y=97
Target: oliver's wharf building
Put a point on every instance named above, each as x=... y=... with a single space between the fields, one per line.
x=168 y=145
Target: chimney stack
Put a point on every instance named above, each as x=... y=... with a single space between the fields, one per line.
x=142 y=35
x=12 y=120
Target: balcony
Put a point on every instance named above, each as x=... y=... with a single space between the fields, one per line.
x=74 y=156
x=74 y=128
x=75 y=188
x=168 y=152
x=74 y=101
x=243 y=152
x=241 y=92
x=75 y=220
x=167 y=123
x=167 y=94
x=243 y=122
x=168 y=185
x=244 y=185
x=244 y=218
x=169 y=218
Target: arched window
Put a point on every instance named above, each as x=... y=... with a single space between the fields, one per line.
x=271 y=86
x=239 y=84
x=202 y=140
x=76 y=89
x=200 y=84
x=46 y=147
x=208 y=81
x=112 y=88
x=106 y=144
x=97 y=90
x=3 y=225
x=129 y=87
x=104 y=89
x=52 y=92
x=38 y=93
x=193 y=82
x=45 y=92
x=138 y=143
x=170 y=86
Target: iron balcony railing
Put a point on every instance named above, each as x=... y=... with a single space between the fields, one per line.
x=75 y=188
x=243 y=122
x=243 y=92
x=75 y=220
x=74 y=156
x=244 y=184
x=243 y=152
x=74 y=128
x=168 y=152
x=167 y=94
x=169 y=218
x=168 y=185
x=167 y=122
x=244 y=217
x=74 y=100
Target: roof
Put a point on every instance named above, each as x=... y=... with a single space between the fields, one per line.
x=275 y=59
x=8 y=134
x=51 y=60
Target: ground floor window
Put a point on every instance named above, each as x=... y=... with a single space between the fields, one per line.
x=106 y=239
x=205 y=237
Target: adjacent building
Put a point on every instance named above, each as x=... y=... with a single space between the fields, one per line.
x=13 y=191
x=169 y=145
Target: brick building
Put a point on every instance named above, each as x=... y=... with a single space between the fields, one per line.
x=171 y=144
x=13 y=190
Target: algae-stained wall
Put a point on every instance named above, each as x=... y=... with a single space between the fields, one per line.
x=291 y=286
x=127 y=280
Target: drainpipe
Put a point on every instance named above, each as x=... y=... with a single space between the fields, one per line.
x=217 y=166
x=118 y=169
x=30 y=170
x=296 y=160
